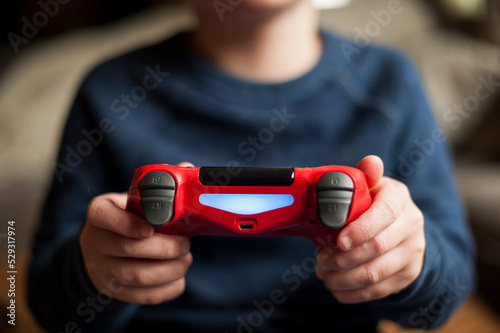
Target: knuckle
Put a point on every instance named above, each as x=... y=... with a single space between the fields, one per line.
x=418 y=218
x=85 y=240
x=410 y=276
x=140 y=278
x=116 y=225
x=176 y=289
x=388 y=209
x=170 y=248
x=339 y=263
x=360 y=296
x=380 y=243
x=404 y=189
x=153 y=299
x=399 y=187
x=123 y=275
x=416 y=272
x=330 y=281
x=95 y=208
x=363 y=296
x=370 y=294
x=166 y=248
x=125 y=246
x=412 y=273
x=353 y=297
x=169 y=292
x=320 y=273
x=420 y=246
x=177 y=271
x=180 y=286
x=340 y=297
x=372 y=275
x=361 y=230
x=187 y=261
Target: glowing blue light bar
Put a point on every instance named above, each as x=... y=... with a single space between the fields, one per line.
x=246 y=204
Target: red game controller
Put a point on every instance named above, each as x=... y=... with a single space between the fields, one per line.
x=250 y=201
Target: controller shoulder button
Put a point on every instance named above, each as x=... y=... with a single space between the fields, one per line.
x=157 y=179
x=157 y=189
x=335 y=181
x=334 y=192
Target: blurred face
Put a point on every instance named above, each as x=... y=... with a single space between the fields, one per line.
x=246 y=5
x=267 y=4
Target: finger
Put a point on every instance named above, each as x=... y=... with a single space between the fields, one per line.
x=147 y=295
x=119 y=199
x=150 y=273
x=340 y=260
x=107 y=212
x=388 y=203
x=365 y=294
x=386 y=240
x=158 y=246
x=186 y=164
x=367 y=274
x=373 y=168
x=384 y=288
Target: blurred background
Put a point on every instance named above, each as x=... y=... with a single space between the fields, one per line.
x=48 y=46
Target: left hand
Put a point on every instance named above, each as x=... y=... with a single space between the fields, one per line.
x=381 y=252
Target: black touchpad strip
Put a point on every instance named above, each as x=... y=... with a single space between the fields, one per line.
x=246 y=176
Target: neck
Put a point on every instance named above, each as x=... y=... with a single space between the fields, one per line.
x=264 y=46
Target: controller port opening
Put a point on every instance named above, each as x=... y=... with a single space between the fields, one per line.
x=246 y=226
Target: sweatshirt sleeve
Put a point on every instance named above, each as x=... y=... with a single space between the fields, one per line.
x=60 y=293
x=420 y=158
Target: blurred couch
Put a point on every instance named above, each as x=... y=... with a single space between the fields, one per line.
x=37 y=88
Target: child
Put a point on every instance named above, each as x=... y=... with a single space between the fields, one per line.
x=259 y=85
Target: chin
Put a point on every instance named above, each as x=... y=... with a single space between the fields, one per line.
x=268 y=4
x=249 y=4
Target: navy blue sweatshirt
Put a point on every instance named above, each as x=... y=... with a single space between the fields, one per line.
x=163 y=104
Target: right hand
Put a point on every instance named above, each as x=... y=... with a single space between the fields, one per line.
x=126 y=260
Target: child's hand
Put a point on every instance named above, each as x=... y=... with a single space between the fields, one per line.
x=380 y=253
x=126 y=260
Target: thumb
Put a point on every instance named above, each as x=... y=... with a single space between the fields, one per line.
x=373 y=167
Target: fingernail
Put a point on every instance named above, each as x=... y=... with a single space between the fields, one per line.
x=346 y=242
